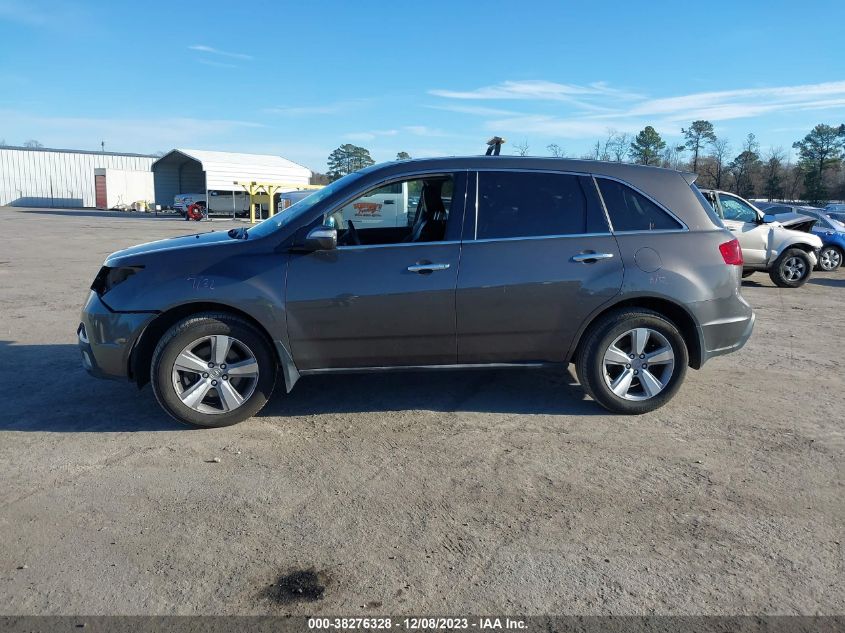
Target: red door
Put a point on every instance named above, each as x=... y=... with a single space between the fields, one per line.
x=100 y=191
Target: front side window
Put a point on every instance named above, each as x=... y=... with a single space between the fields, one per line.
x=532 y=204
x=629 y=210
x=413 y=210
x=737 y=210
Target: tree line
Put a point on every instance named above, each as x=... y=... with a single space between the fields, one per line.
x=817 y=176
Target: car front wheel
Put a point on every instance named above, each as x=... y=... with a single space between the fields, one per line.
x=830 y=259
x=632 y=361
x=792 y=269
x=212 y=370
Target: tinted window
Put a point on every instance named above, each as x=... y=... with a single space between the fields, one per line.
x=631 y=211
x=737 y=210
x=525 y=204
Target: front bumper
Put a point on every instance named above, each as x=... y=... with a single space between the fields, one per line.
x=106 y=338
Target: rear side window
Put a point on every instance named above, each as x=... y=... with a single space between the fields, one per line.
x=534 y=204
x=632 y=211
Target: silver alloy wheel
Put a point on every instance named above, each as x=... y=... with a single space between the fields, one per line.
x=638 y=364
x=830 y=258
x=215 y=374
x=793 y=268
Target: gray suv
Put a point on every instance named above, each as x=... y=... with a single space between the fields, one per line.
x=624 y=270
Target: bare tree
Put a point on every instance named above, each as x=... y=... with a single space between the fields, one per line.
x=773 y=174
x=617 y=145
x=521 y=149
x=555 y=150
x=721 y=150
x=33 y=144
x=793 y=179
x=673 y=157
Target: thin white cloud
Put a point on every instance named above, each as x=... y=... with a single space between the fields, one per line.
x=551 y=126
x=216 y=64
x=369 y=136
x=534 y=90
x=337 y=107
x=424 y=130
x=474 y=110
x=126 y=134
x=22 y=13
x=202 y=48
x=599 y=106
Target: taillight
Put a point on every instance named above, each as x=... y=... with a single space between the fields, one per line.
x=731 y=252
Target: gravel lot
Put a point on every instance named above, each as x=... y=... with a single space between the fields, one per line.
x=455 y=493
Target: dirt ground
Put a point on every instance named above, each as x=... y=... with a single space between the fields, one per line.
x=453 y=493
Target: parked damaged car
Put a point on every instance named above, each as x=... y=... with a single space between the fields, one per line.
x=782 y=245
x=623 y=270
x=826 y=226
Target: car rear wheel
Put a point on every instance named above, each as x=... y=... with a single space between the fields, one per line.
x=792 y=269
x=632 y=361
x=830 y=259
x=212 y=370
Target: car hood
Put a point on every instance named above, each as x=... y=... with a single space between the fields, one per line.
x=794 y=221
x=197 y=240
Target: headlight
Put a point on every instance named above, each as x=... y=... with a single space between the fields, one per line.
x=108 y=278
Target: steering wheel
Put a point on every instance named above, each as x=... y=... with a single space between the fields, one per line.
x=352 y=234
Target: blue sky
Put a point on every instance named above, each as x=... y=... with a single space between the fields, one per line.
x=429 y=78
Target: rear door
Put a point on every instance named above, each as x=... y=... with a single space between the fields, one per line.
x=537 y=258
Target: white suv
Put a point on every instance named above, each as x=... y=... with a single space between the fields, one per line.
x=781 y=245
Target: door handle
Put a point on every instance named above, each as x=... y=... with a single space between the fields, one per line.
x=589 y=258
x=427 y=268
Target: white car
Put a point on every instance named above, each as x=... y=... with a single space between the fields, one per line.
x=781 y=245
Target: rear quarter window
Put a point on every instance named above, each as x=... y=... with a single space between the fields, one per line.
x=629 y=210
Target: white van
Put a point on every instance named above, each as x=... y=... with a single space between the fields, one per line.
x=385 y=207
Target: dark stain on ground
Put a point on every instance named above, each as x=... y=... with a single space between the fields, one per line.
x=301 y=585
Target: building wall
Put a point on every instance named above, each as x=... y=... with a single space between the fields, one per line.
x=123 y=187
x=57 y=178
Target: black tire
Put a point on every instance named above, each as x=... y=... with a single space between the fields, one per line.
x=589 y=363
x=780 y=271
x=832 y=256
x=192 y=329
x=747 y=273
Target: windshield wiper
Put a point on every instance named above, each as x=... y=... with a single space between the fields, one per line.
x=239 y=233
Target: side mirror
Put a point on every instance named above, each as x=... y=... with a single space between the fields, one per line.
x=768 y=218
x=321 y=238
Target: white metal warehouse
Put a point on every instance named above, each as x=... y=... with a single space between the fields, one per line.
x=182 y=171
x=59 y=177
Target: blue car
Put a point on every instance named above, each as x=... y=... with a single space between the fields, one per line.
x=829 y=229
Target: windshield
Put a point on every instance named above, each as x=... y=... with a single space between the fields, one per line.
x=301 y=208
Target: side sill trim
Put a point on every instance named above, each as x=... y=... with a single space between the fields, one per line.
x=358 y=370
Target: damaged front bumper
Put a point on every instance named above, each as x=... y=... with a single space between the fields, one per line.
x=106 y=338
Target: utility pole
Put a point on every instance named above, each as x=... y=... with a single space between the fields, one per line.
x=103 y=146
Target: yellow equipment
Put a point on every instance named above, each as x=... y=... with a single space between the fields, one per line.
x=269 y=189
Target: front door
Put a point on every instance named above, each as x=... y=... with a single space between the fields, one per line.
x=743 y=221
x=386 y=295
x=539 y=258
